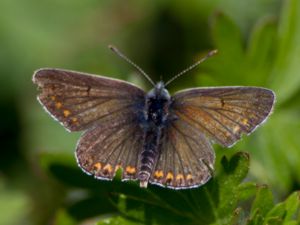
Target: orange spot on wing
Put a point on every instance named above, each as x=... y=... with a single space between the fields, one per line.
x=179 y=177
x=97 y=166
x=107 y=169
x=189 y=178
x=245 y=121
x=66 y=113
x=130 y=170
x=158 y=174
x=58 y=105
x=169 y=177
x=53 y=98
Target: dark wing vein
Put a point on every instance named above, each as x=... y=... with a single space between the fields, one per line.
x=80 y=100
x=219 y=122
x=184 y=137
x=224 y=113
x=121 y=143
x=197 y=122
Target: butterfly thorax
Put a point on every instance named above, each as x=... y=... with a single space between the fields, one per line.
x=157 y=103
x=156 y=113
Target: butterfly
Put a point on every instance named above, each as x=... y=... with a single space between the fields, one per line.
x=151 y=137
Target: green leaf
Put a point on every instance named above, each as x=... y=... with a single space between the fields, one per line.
x=247 y=190
x=63 y=218
x=213 y=203
x=228 y=64
x=48 y=159
x=227 y=36
x=239 y=63
x=262 y=204
x=292 y=205
x=260 y=51
x=91 y=206
x=270 y=58
x=291 y=223
x=234 y=171
x=117 y=220
x=273 y=221
x=284 y=212
x=276 y=154
x=217 y=202
x=277 y=213
x=285 y=75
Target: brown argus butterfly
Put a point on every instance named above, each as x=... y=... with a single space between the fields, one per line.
x=152 y=137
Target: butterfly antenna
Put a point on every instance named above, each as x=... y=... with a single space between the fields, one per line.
x=211 y=53
x=117 y=51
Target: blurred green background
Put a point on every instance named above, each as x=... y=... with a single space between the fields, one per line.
x=258 y=43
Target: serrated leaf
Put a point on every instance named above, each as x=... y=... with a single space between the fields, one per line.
x=291 y=223
x=270 y=59
x=292 y=204
x=260 y=51
x=262 y=204
x=234 y=171
x=247 y=190
x=228 y=64
x=91 y=206
x=277 y=213
x=227 y=36
x=285 y=211
x=276 y=152
x=286 y=78
x=213 y=203
x=118 y=220
x=273 y=221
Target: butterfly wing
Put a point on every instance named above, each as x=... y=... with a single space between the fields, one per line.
x=186 y=158
x=102 y=150
x=224 y=113
x=198 y=116
x=108 y=109
x=80 y=101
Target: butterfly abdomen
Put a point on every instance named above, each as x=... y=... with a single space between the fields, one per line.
x=149 y=155
x=156 y=113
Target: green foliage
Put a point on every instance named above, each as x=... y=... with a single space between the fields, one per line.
x=258 y=43
x=221 y=201
x=12 y=205
x=269 y=58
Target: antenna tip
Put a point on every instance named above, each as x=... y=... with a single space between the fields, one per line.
x=111 y=47
x=213 y=52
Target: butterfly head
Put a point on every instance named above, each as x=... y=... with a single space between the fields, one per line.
x=159 y=92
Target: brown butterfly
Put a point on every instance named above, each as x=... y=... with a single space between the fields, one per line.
x=153 y=137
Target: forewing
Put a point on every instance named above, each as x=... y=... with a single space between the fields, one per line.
x=224 y=113
x=80 y=101
x=186 y=157
x=102 y=150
